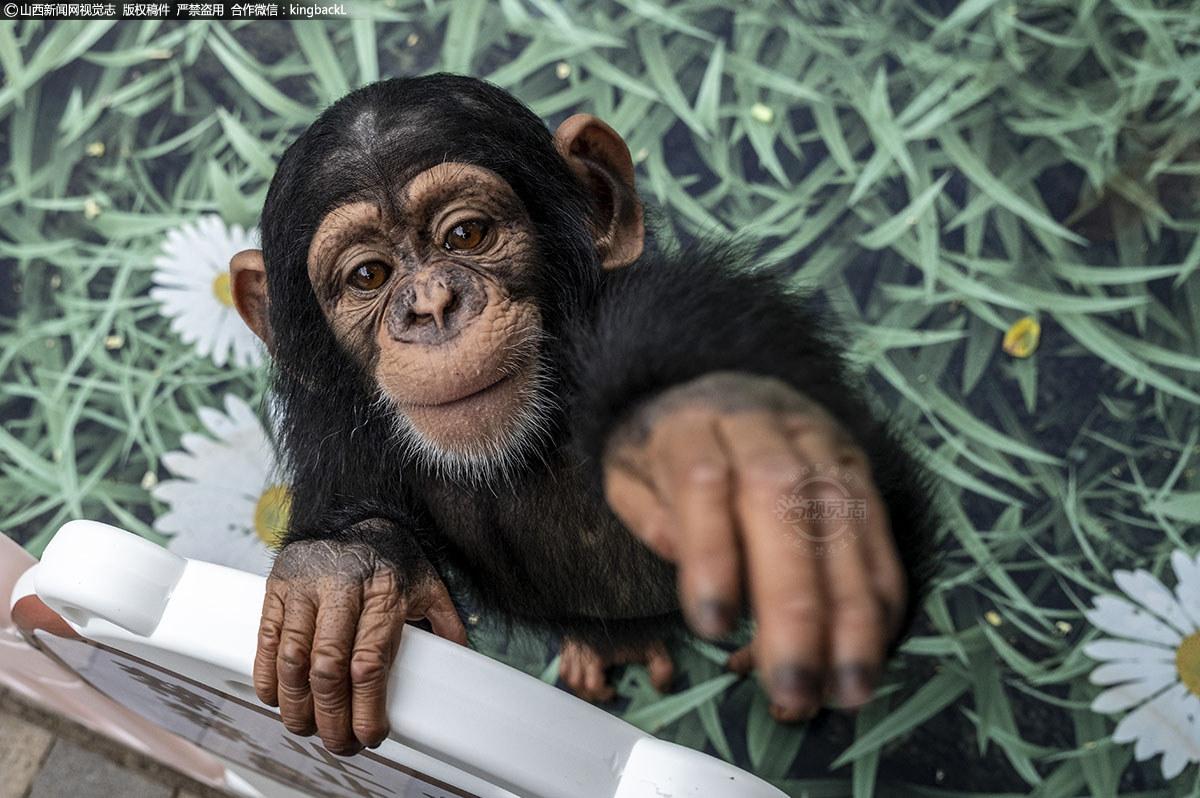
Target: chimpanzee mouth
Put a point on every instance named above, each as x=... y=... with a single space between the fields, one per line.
x=504 y=378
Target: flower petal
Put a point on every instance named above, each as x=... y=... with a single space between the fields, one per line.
x=1141 y=586
x=1162 y=724
x=247 y=349
x=1119 y=617
x=192 y=256
x=1109 y=649
x=1187 y=586
x=217 y=423
x=1124 y=696
x=1174 y=760
x=239 y=411
x=212 y=503
x=1117 y=672
x=220 y=344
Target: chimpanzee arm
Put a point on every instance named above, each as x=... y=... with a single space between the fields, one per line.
x=694 y=389
x=397 y=532
x=341 y=589
x=663 y=322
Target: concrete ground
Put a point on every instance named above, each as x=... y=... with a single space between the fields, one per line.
x=47 y=756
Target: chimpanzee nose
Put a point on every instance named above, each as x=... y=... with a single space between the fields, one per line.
x=434 y=301
x=435 y=306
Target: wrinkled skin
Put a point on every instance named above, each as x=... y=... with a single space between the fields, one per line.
x=330 y=627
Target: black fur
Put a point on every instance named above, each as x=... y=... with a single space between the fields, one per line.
x=540 y=545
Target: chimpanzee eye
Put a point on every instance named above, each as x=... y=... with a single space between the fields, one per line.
x=370 y=276
x=467 y=235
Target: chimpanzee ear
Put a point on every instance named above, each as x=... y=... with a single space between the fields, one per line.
x=599 y=155
x=248 y=284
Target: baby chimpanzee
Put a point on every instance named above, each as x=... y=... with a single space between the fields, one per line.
x=482 y=363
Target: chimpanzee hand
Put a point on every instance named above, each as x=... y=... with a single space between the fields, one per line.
x=330 y=626
x=753 y=489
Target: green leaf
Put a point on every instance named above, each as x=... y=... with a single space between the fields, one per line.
x=11 y=62
x=711 y=721
x=1101 y=767
x=963 y=14
x=1179 y=506
x=1102 y=342
x=877 y=112
x=673 y=707
x=322 y=60
x=462 y=31
x=662 y=73
x=865 y=769
x=830 y=130
x=1002 y=195
x=253 y=83
x=708 y=97
x=936 y=694
x=934 y=401
x=248 y=146
x=887 y=232
x=659 y=15
x=366 y=49
x=767 y=78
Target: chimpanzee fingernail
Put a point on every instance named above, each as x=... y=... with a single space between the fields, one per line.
x=796 y=689
x=712 y=617
x=854 y=685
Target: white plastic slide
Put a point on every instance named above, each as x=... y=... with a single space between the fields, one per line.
x=174 y=640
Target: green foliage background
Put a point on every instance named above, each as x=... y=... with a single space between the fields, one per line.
x=936 y=170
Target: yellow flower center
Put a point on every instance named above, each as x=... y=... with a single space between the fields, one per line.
x=223 y=290
x=1187 y=662
x=271 y=513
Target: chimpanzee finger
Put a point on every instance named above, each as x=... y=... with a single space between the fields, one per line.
x=595 y=680
x=438 y=609
x=858 y=629
x=661 y=667
x=885 y=569
x=570 y=667
x=292 y=663
x=640 y=509
x=785 y=585
x=582 y=670
x=270 y=627
x=329 y=673
x=375 y=644
x=839 y=494
x=886 y=572
x=693 y=472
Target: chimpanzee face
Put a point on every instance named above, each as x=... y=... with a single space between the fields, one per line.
x=439 y=233
x=430 y=289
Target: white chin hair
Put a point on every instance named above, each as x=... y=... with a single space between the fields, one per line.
x=485 y=461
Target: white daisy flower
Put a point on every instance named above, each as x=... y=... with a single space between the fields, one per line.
x=191 y=279
x=1154 y=668
x=227 y=505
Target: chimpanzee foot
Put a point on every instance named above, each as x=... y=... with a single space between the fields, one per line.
x=585 y=670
